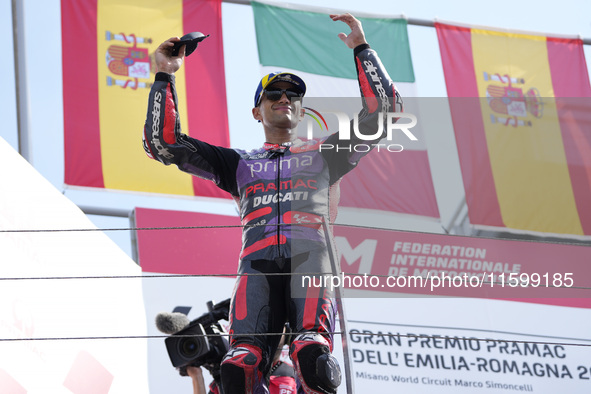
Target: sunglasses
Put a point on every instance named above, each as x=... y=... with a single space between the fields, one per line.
x=276 y=94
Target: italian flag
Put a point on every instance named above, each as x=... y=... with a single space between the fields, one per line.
x=305 y=41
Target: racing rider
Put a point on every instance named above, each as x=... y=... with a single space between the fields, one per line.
x=283 y=190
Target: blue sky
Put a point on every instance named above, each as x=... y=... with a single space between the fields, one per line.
x=43 y=54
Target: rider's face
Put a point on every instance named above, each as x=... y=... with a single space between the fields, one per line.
x=283 y=112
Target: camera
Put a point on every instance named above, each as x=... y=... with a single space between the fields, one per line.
x=203 y=342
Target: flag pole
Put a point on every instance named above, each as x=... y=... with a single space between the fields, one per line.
x=20 y=76
x=410 y=21
x=336 y=271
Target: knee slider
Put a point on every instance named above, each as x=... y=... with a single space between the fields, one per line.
x=240 y=369
x=317 y=369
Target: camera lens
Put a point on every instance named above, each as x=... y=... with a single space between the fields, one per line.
x=189 y=347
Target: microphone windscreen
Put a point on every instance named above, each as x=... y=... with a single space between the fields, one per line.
x=171 y=323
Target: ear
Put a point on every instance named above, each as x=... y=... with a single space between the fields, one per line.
x=256 y=113
x=302 y=113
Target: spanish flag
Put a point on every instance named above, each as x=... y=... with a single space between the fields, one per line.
x=108 y=67
x=521 y=105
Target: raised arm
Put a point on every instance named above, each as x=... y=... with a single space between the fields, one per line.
x=162 y=137
x=377 y=88
x=379 y=96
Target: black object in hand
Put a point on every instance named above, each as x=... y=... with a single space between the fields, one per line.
x=191 y=40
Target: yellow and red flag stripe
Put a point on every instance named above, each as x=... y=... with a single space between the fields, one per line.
x=108 y=68
x=520 y=107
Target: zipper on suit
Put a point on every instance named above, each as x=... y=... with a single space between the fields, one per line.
x=279 y=154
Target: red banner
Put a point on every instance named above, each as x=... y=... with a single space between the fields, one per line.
x=384 y=261
x=199 y=250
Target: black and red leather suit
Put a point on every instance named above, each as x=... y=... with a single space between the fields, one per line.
x=283 y=193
